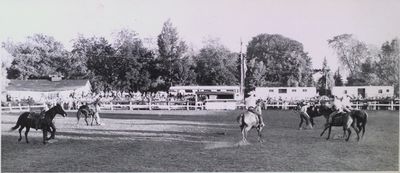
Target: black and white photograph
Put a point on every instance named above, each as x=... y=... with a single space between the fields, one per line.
x=199 y=85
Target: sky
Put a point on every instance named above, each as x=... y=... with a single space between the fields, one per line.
x=311 y=22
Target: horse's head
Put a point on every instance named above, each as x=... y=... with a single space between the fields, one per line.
x=59 y=110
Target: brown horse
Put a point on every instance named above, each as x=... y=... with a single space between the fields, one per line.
x=249 y=120
x=356 y=119
x=45 y=124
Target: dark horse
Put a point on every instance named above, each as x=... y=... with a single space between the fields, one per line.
x=85 y=111
x=357 y=119
x=45 y=124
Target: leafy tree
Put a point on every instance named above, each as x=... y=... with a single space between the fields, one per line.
x=388 y=66
x=5 y=61
x=338 y=78
x=351 y=52
x=285 y=62
x=325 y=83
x=170 y=50
x=100 y=61
x=39 y=56
x=216 y=65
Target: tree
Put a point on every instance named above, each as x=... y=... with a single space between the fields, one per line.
x=5 y=60
x=388 y=67
x=100 y=61
x=285 y=62
x=351 y=52
x=39 y=56
x=170 y=50
x=325 y=83
x=216 y=65
x=338 y=78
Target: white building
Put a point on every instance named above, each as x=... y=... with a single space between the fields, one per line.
x=211 y=90
x=41 y=90
x=363 y=91
x=286 y=93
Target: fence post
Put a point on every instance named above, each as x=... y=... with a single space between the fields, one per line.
x=112 y=105
x=9 y=105
x=20 y=107
x=391 y=105
x=187 y=105
x=169 y=105
x=130 y=105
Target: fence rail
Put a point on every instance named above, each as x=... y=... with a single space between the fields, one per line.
x=374 y=105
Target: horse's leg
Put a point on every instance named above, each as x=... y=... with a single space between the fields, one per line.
x=260 y=135
x=26 y=134
x=246 y=132
x=324 y=131
x=52 y=131
x=20 y=130
x=349 y=131
x=357 y=130
x=329 y=132
x=78 y=116
x=243 y=134
x=44 y=134
x=87 y=123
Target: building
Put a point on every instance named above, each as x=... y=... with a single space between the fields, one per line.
x=364 y=91
x=41 y=90
x=212 y=92
x=285 y=93
x=213 y=97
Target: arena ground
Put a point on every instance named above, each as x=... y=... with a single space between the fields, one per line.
x=199 y=141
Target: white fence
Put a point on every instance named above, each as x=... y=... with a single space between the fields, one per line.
x=372 y=105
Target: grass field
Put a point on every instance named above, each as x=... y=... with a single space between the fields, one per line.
x=199 y=141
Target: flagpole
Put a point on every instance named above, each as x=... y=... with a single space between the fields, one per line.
x=242 y=72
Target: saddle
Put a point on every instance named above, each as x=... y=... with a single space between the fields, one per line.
x=37 y=118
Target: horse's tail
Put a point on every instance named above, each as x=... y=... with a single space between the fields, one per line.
x=240 y=119
x=19 y=122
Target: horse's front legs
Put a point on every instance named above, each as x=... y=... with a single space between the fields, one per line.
x=52 y=130
x=329 y=132
x=26 y=134
x=44 y=135
x=324 y=130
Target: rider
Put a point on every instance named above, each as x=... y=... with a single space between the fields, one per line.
x=258 y=111
x=342 y=105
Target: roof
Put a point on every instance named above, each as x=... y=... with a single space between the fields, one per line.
x=214 y=93
x=45 y=85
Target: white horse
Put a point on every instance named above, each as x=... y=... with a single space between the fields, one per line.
x=249 y=120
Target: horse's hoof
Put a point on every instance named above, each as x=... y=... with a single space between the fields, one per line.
x=19 y=140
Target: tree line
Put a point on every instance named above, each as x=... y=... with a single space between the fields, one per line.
x=125 y=64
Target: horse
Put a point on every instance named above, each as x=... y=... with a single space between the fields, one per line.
x=89 y=111
x=85 y=111
x=356 y=119
x=344 y=120
x=46 y=123
x=249 y=120
x=360 y=119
